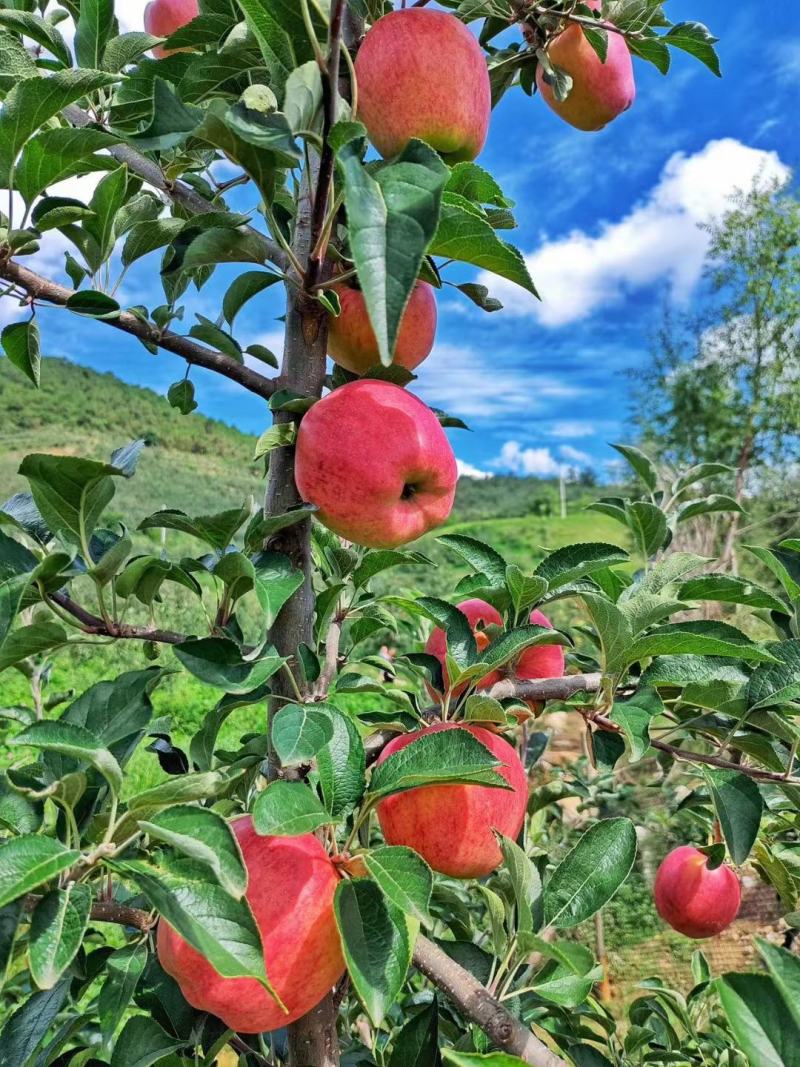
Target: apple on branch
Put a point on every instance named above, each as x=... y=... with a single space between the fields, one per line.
x=600 y=90
x=351 y=339
x=162 y=18
x=422 y=74
x=376 y=463
x=453 y=826
x=291 y=884
x=694 y=899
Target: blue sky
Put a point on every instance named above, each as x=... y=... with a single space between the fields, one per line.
x=609 y=224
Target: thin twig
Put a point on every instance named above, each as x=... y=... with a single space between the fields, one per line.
x=39 y=288
x=94 y=625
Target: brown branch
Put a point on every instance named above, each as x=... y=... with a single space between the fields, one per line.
x=178 y=192
x=94 y=625
x=547 y=688
x=475 y=1001
x=39 y=288
x=108 y=912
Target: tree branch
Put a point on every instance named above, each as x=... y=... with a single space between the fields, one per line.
x=93 y=624
x=547 y=688
x=475 y=1001
x=39 y=288
x=178 y=192
x=109 y=912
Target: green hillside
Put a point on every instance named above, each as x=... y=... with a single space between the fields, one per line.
x=201 y=466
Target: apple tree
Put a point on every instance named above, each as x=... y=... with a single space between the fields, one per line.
x=368 y=880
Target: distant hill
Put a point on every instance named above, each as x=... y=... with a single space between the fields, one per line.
x=201 y=465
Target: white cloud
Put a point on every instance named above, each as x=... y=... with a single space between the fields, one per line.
x=466 y=383
x=467 y=470
x=659 y=241
x=572 y=429
x=131 y=15
x=539 y=462
x=574 y=455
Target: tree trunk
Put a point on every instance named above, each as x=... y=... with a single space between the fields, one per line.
x=728 y=556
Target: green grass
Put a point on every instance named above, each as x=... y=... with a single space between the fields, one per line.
x=202 y=466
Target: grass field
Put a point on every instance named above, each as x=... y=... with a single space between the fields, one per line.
x=202 y=466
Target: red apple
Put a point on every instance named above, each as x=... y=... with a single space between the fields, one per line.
x=422 y=74
x=351 y=339
x=451 y=826
x=290 y=889
x=547 y=661
x=377 y=464
x=600 y=91
x=162 y=18
x=694 y=900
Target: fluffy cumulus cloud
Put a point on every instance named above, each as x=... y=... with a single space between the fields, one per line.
x=468 y=470
x=659 y=241
x=540 y=462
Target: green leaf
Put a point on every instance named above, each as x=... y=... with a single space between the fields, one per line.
x=20 y=343
x=391 y=220
x=27 y=1026
x=524 y=590
x=480 y=556
x=341 y=765
x=303 y=96
x=474 y=1059
x=299 y=731
x=404 y=877
x=642 y=465
x=770 y=560
x=288 y=809
x=218 y=661
x=142 y=1043
x=217 y=530
x=28 y=862
x=215 y=924
x=276 y=580
x=447 y=756
x=93 y=304
x=526 y=884
x=70 y=493
x=34 y=101
x=221 y=244
x=613 y=629
x=81 y=744
x=468 y=237
x=648 y=524
x=94 y=27
x=693 y=508
x=633 y=717
x=694 y=38
x=181 y=396
x=146 y=237
x=57 y=928
x=776 y=685
x=125 y=49
x=460 y=640
x=701 y=638
x=758 y=1017
x=267 y=132
x=417 y=1044
x=567 y=564
x=729 y=589
x=124 y=968
x=738 y=804
x=590 y=874
x=40 y=30
x=784 y=967
x=205 y=836
x=513 y=643
x=280 y=435
x=171 y=123
x=376 y=944
x=244 y=288
x=30 y=641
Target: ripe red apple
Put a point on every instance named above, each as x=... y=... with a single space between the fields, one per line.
x=694 y=900
x=290 y=889
x=600 y=91
x=351 y=338
x=377 y=464
x=547 y=661
x=422 y=74
x=451 y=826
x=162 y=18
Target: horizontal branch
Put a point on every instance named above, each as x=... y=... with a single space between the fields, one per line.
x=39 y=288
x=97 y=627
x=178 y=192
x=547 y=688
x=475 y=1001
x=107 y=911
